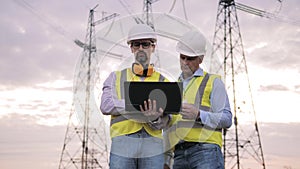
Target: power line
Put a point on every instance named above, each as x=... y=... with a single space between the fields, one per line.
x=43 y=18
x=265 y=14
x=129 y=11
x=60 y=29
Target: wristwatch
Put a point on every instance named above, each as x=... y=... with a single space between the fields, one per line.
x=155 y=121
x=198 y=119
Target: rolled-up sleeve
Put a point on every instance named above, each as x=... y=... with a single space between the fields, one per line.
x=110 y=104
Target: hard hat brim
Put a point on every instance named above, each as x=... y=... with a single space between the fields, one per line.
x=186 y=53
x=141 y=38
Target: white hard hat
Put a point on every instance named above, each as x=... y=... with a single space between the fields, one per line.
x=192 y=44
x=141 y=31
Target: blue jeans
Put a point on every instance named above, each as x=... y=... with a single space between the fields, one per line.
x=136 y=151
x=199 y=156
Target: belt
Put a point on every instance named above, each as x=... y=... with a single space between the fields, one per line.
x=185 y=145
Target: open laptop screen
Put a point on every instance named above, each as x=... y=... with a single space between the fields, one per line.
x=168 y=95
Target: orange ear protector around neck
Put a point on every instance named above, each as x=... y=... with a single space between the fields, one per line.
x=139 y=70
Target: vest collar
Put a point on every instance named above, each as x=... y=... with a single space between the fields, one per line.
x=198 y=72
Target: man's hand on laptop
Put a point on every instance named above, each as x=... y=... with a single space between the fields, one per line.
x=149 y=109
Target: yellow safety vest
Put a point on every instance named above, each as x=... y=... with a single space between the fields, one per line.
x=120 y=125
x=198 y=93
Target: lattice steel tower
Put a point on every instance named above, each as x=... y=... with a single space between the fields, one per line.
x=147 y=12
x=242 y=146
x=148 y=19
x=85 y=145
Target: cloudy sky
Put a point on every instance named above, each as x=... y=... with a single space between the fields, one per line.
x=39 y=58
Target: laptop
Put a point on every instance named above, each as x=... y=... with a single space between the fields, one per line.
x=168 y=95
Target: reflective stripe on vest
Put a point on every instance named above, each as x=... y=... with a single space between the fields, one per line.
x=197 y=92
x=120 y=125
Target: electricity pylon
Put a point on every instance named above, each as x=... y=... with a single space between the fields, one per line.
x=86 y=145
x=148 y=19
x=242 y=146
x=147 y=12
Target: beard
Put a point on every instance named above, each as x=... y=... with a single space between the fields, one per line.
x=141 y=57
x=187 y=71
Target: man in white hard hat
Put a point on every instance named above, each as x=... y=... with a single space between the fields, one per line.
x=196 y=133
x=136 y=144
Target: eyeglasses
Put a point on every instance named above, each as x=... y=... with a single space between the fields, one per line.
x=137 y=44
x=182 y=57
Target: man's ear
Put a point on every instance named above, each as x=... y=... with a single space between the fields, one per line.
x=153 y=49
x=201 y=58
